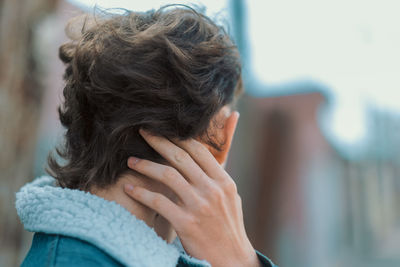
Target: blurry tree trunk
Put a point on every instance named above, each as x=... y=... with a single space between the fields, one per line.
x=20 y=100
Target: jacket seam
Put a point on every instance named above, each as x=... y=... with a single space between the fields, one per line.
x=53 y=251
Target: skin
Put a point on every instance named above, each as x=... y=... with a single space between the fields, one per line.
x=191 y=196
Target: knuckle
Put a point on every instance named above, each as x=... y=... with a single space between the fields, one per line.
x=170 y=173
x=188 y=223
x=194 y=198
x=156 y=202
x=204 y=209
x=198 y=148
x=230 y=187
x=215 y=193
x=180 y=156
x=190 y=220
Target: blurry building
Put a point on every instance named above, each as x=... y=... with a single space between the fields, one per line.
x=307 y=204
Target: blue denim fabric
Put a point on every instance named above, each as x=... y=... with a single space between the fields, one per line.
x=265 y=262
x=61 y=251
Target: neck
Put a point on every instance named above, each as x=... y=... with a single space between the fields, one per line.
x=150 y=217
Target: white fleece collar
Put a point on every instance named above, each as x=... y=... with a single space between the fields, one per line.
x=44 y=207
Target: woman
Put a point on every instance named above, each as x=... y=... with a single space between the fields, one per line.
x=149 y=116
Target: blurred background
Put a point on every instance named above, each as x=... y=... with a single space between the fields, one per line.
x=316 y=156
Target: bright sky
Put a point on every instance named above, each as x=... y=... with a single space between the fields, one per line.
x=351 y=46
x=211 y=5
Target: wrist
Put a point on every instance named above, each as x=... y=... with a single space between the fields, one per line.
x=253 y=261
x=249 y=257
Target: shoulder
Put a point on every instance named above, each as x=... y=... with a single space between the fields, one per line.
x=59 y=251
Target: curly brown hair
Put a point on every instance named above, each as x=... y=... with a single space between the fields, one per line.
x=168 y=71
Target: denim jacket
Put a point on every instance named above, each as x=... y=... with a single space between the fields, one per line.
x=76 y=228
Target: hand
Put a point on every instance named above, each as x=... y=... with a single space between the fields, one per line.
x=208 y=216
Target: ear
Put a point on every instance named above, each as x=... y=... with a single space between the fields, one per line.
x=227 y=133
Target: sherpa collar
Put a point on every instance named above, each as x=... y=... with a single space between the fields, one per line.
x=44 y=207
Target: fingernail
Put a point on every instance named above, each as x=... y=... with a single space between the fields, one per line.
x=238 y=114
x=128 y=187
x=132 y=161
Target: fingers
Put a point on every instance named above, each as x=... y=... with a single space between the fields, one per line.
x=166 y=175
x=202 y=156
x=157 y=202
x=177 y=157
x=212 y=163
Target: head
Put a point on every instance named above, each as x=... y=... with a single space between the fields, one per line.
x=173 y=72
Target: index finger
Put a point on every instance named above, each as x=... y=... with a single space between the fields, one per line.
x=178 y=158
x=203 y=157
x=211 y=162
